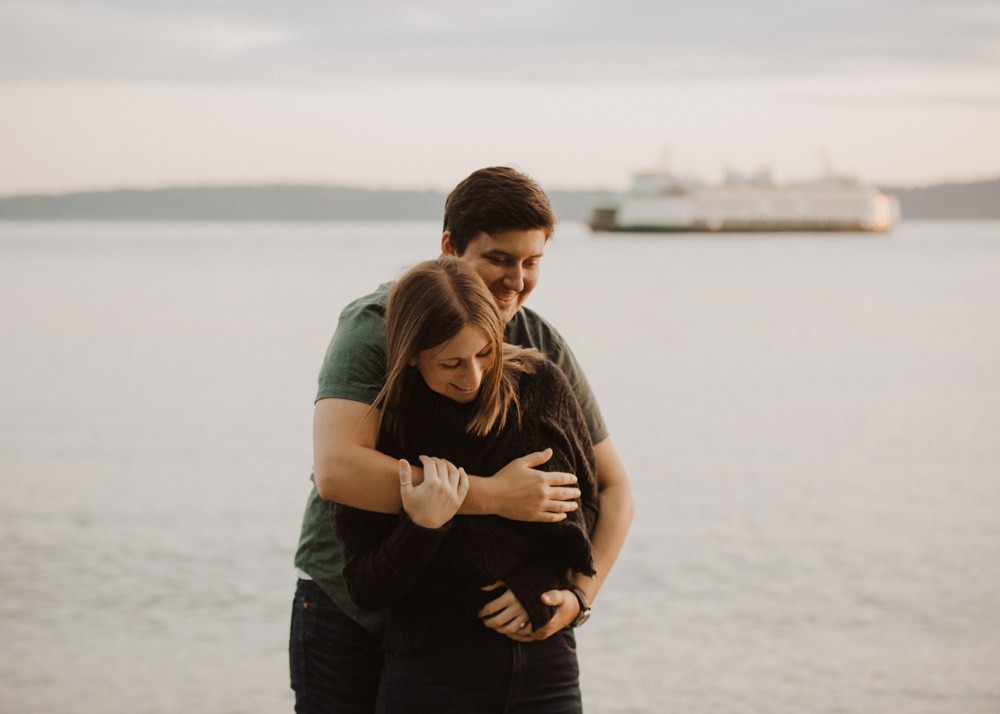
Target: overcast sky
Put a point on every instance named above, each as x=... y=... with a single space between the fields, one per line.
x=418 y=93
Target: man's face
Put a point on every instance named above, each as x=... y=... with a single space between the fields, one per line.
x=507 y=262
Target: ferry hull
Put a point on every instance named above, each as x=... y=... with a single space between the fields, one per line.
x=599 y=226
x=751 y=208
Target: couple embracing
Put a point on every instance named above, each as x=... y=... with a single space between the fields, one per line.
x=468 y=501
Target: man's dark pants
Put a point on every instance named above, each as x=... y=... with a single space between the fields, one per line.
x=335 y=662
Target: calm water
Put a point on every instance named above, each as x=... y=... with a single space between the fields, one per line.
x=812 y=425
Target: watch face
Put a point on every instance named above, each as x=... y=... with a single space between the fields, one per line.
x=581 y=618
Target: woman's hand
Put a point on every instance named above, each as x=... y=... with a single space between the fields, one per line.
x=506 y=615
x=436 y=500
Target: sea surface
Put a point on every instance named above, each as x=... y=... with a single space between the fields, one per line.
x=811 y=424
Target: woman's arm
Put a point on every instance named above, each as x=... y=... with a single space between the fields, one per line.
x=616 y=510
x=381 y=567
x=553 y=417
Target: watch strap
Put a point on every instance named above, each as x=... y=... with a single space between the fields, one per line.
x=581 y=597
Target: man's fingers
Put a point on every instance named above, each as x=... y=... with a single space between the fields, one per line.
x=561 y=506
x=549 y=517
x=564 y=493
x=537 y=458
x=553 y=597
x=561 y=478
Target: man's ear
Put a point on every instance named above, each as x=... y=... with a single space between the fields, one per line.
x=446 y=247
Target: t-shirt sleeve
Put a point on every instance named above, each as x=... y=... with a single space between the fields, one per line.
x=531 y=330
x=354 y=366
x=566 y=362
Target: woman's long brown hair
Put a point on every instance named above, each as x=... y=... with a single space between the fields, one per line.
x=429 y=305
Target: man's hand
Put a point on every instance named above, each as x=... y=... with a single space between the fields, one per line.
x=567 y=608
x=521 y=492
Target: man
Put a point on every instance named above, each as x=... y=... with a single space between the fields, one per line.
x=498 y=220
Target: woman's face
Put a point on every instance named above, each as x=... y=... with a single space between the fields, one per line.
x=455 y=368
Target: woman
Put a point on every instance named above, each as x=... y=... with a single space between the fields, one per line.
x=453 y=389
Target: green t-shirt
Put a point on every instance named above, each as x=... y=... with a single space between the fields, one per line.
x=354 y=368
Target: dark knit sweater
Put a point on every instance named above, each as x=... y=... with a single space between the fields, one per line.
x=430 y=580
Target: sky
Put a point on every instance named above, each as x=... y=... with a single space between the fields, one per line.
x=104 y=94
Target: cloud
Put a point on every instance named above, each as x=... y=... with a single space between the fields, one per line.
x=539 y=41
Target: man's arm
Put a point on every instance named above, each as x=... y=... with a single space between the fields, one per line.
x=613 y=519
x=348 y=469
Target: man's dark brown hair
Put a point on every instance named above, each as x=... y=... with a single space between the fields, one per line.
x=495 y=200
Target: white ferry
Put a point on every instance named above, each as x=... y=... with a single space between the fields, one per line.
x=658 y=201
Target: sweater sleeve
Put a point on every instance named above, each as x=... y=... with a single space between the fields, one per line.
x=566 y=431
x=385 y=555
x=558 y=421
x=529 y=580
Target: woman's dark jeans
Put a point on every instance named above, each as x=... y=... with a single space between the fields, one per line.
x=490 y=674
x=334 y=661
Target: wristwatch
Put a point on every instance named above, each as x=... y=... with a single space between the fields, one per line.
x=581 y=597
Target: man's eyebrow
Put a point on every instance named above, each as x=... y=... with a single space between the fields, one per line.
x=500 y=252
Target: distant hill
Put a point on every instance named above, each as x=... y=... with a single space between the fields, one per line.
x=976 y=200
x=254 y=203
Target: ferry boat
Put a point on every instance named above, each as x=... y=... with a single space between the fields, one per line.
x=659 y=201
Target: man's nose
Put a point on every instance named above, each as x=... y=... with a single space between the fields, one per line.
x=514 y=278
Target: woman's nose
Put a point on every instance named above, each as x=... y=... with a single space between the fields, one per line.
x=474 y=374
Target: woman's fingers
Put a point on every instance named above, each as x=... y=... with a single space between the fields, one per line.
x=405 y=475
x=430 y=469
x=509 y=621
x=504 y=613
x=450 y=473
x=518 y=623
x=502 y=618
x=444 y=473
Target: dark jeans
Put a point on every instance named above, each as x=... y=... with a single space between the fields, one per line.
x=335 y=662
x=490 y=674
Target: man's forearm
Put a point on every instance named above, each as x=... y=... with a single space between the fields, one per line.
x=348 y=469
x=616 y=508
x=608 y=537
x=363 y=478
x=369 y=480
x=480 y=500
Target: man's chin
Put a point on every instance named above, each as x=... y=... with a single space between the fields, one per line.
x=508 y=308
